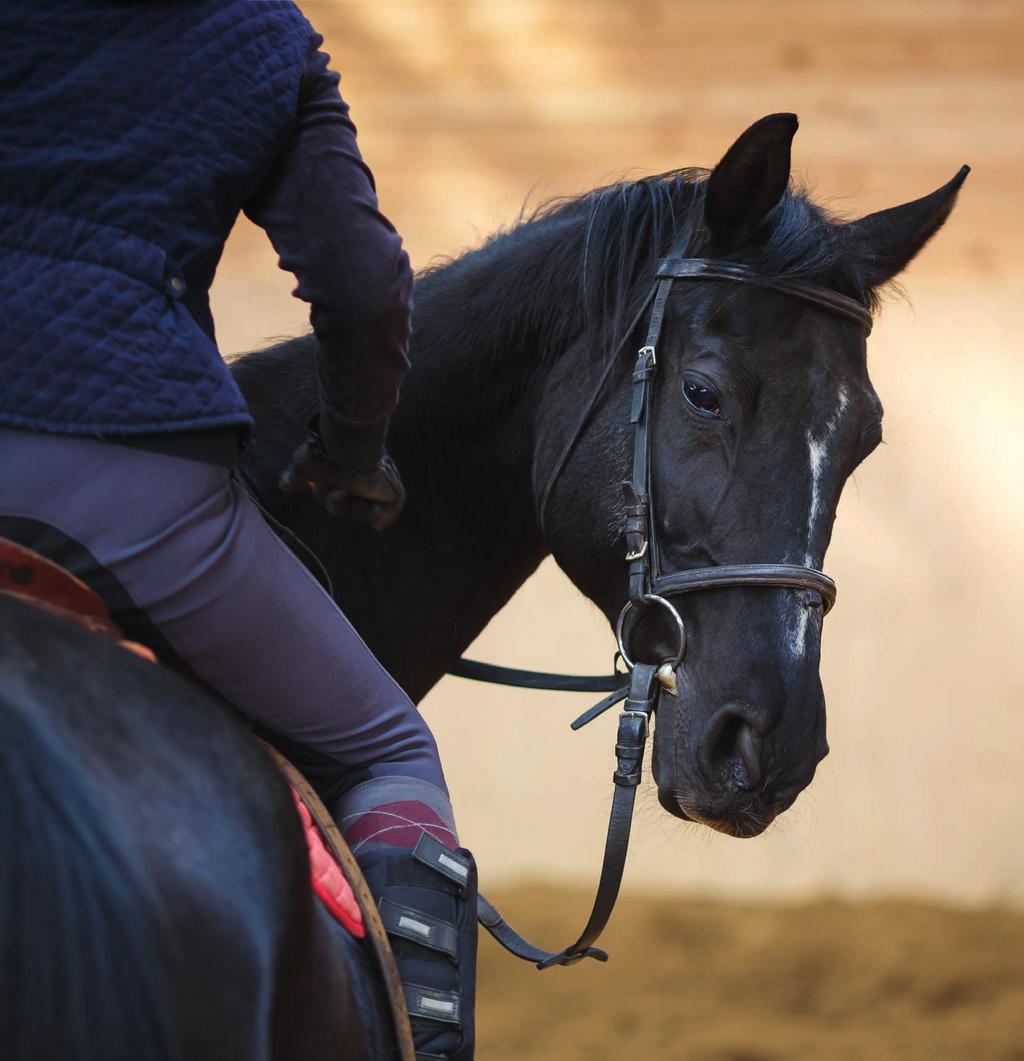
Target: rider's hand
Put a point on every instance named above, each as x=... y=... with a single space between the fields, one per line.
x=374 y=498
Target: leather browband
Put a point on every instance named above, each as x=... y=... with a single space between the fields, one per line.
x=714 y=269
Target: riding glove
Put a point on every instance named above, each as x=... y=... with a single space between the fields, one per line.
x=375 y=498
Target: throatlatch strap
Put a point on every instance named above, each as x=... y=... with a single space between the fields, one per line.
x=535 y=679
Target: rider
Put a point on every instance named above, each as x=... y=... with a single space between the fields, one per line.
x=134 y=133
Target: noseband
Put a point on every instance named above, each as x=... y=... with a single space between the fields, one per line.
x=648 y=586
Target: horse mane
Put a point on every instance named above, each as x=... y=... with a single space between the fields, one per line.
x=611 y=238
x=573 y=268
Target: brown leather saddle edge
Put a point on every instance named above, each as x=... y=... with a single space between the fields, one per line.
x=33 y=578
x=367 y=906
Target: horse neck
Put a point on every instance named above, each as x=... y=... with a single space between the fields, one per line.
x=464 y=440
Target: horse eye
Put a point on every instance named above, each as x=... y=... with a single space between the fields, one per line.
x=701 y=398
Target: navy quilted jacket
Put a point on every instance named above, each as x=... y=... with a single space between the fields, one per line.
x=130 y=137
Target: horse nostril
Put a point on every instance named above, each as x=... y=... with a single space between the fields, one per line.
x=748 y=745
x=731 y=749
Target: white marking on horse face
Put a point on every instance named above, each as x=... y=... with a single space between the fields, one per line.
x=797 y=639
x=816 y=452
x=818 y=458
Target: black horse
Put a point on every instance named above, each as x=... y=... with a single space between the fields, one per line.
x=154 y=886
x=764 y=410
x=154 y=900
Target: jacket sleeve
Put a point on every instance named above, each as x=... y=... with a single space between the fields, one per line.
x=319 y=207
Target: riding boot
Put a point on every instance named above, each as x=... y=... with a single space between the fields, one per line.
x=401 y=834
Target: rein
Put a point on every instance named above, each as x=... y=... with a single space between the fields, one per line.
x=648 y=587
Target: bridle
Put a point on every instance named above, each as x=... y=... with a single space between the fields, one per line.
x=649 y=586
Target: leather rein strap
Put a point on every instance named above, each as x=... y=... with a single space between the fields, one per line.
x=634 y=723
x=647 y=587
x=535 y=679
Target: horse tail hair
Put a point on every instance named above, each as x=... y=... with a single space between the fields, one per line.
x=80 y=940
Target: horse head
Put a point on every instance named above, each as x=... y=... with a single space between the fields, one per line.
x=762 y=410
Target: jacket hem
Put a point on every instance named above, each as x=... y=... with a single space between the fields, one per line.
x=109 y=427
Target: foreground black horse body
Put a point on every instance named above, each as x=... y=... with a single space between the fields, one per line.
x=157 y=905
x=155 y=902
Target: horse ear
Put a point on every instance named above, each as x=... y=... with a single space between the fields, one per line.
x=749 y=181
x=888 y=240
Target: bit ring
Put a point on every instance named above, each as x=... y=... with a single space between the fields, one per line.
x=650 y=598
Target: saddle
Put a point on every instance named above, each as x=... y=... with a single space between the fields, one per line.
x=33 y=578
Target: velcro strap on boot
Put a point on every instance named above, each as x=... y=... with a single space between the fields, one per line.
x=416 y=875
x=426 y=1004
x=431 y=852
x=428 y=931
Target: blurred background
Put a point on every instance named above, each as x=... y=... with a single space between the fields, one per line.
x=882 y=916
